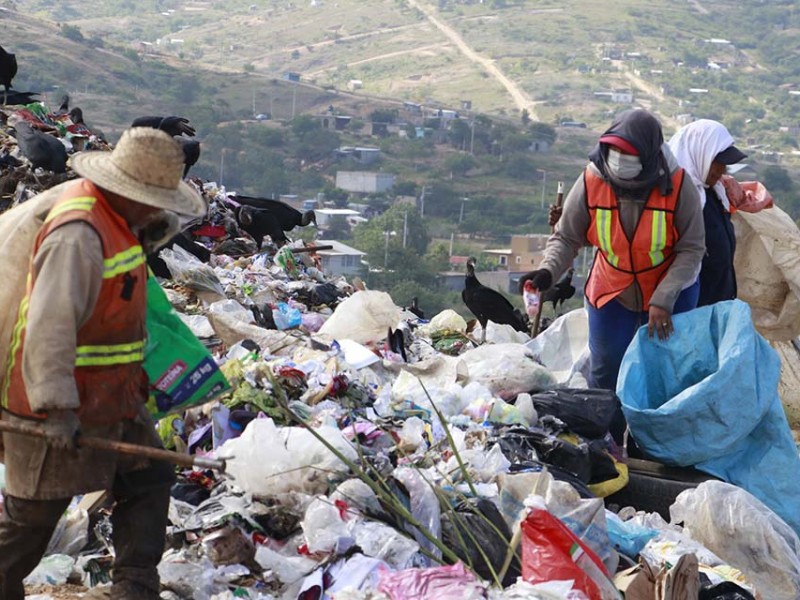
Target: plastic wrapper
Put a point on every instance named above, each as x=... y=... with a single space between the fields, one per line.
x=627 y=537
x=71 y=534
x=446 y=321
x=287 y=317
x=743 y=532
x=363 y=317
x=424 y=507
x=182 y=372
x=292 y=459
x=452 y=582
x=52 y=570
x=586 y=517
x=551 y=552
x=564 y=348
x=188 y=270
x=507 y=369
x=749 y=196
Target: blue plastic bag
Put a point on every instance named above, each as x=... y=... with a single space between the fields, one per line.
x=708 y=397
x=287 y=317
x=626 y=537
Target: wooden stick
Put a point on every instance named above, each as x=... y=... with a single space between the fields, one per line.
x=184 y=460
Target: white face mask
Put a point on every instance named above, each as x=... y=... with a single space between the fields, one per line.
x=623 y=166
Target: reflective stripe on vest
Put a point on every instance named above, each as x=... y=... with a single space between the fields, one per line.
x=113 y=354
x=123 y=262
x=604 y=218
x=658 y=237
x=16 y=340
x=82 y=203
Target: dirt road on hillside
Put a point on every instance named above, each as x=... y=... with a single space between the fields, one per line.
x=520 y=97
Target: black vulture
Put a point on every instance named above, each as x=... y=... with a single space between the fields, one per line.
x=41 y=149
x=191 y=153
x=174 y=126
x=63 y=108
x=8 y=69
x=76 y=116
x=489 y=305
x=272 y=218
x=185 y=241
x=415 y=309
x=13 y=97
x=560 y=292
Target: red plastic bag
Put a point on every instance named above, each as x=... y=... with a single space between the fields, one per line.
x=551 y=552
x=749 y=196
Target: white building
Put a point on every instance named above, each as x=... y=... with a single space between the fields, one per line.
x=364 y=182
x=324 y=215
x=341 y=259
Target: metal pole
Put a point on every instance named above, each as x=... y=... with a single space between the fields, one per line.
x=405 y=228
x=186 y=460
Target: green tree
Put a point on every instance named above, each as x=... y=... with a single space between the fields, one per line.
x=459 y=164
x=777 y=179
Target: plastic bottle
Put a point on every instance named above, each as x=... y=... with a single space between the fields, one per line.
x=531 y=297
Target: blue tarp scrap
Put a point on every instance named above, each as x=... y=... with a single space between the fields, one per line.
x=708 y=398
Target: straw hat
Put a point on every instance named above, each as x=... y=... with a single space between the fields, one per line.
x=145 y=166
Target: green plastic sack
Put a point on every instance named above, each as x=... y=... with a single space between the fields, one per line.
x=182 y=372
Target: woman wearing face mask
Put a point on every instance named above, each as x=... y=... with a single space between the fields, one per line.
x=647 y=227
x=705 y=148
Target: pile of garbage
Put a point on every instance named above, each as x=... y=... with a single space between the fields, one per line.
x=376 y=454
x=367 y=463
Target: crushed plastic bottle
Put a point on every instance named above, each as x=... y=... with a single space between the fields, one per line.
x=532 y=299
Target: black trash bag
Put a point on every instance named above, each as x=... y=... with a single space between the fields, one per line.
x=190 y=492
x=603 y=467
x=469 y=530
x=325 y=293
x=727 y=590
x=586 y=412
x=534 y=445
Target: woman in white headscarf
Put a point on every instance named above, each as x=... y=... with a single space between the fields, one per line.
x=704 y=149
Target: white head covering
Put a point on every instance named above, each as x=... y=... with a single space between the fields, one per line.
x=695 y=146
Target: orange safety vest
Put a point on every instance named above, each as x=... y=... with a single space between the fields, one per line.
x=110 y=345
x=620 y=262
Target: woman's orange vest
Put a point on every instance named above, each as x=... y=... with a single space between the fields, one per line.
x=110 y=345
x=620 y=262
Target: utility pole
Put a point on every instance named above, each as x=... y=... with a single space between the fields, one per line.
x=294 y=98
x=221 y=166
x=461 y=213
x=422 y=202
x=452 y=237
x=405 y=228
x=472 y=137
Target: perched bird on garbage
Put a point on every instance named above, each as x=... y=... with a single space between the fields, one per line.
x=13 y=97
x=560 y=292
x=174 y=126
x=177 y=127
x=272 y=218
x=191 y=153
x=63 y=108
x=397 y=342
x=8 y=69
x=184 y=240
x=489 y=305
x=41 y=149
x=415 y=309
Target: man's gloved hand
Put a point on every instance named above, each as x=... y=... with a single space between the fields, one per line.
x=62 y=428
x=542 y=279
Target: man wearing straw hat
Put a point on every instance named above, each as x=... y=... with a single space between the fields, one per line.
x=75 y=363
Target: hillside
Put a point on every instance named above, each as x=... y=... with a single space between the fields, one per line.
x=222 y=62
